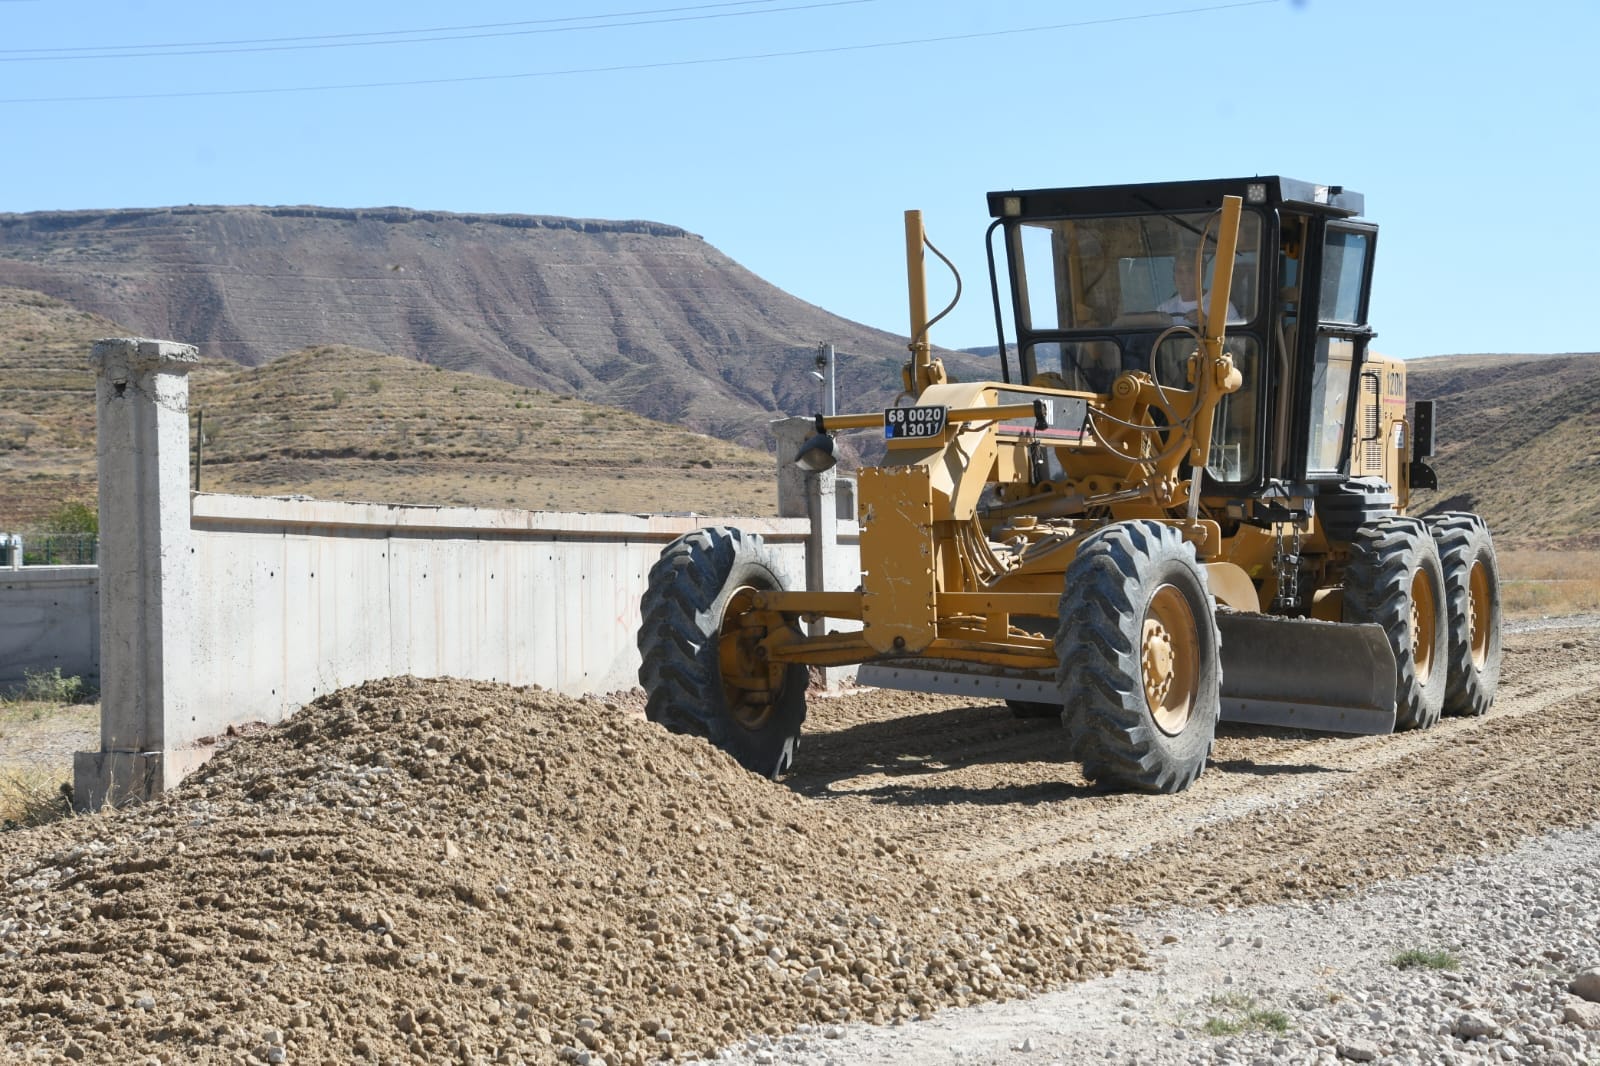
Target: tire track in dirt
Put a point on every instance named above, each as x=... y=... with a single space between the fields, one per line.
x=1479 y=792
x=975 y=787
x=1265 y=769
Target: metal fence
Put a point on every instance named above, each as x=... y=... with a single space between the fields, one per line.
x=49 y=549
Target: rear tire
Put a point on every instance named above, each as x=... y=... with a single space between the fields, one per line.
x=1472 y=605
x=1138 y=656
x=689 y=631
x=1395 y=580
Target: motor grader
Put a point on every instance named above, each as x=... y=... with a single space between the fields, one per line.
x=1185 y=500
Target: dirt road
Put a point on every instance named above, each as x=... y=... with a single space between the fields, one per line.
x=1275 y=813
x=444 y=870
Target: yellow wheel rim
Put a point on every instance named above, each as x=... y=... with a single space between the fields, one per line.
x=1478 y=606
x=750 y=680
x=1424 y=624
x=1169 y=657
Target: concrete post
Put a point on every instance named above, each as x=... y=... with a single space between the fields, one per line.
x=147 y=572
x=790 y=434
x=812 y=495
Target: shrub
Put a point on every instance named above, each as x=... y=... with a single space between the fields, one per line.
x=1243 y=1016
x=48 y=686
x=73 y=518
x=30 y=798
x=1420 y=959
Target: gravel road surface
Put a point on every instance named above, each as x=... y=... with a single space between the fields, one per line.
x=449 y=871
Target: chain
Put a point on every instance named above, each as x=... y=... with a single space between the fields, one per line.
x=1286 y=565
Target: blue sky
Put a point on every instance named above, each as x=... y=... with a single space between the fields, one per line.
x=792 y=134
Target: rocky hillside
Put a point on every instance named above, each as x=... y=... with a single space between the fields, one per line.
x=342 y=423
x=1517 y=442
x=1516 y=432
x=637 y=315
x=47 y=451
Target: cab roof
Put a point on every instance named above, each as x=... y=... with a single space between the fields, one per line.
x=1171 y=196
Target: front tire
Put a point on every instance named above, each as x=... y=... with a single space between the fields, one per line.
x=699 y=647
x=1395 y=579
x=1138 y=656
x=1472 y=606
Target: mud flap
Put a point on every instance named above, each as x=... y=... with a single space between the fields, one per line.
x=1303 y=674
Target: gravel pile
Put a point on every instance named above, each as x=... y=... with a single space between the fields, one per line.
x=457 y=872
x=1493 y=960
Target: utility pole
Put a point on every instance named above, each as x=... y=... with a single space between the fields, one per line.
x=824 y=373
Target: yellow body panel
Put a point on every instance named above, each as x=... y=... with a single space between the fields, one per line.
x=897 y=549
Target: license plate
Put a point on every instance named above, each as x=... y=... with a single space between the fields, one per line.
x=900 y=423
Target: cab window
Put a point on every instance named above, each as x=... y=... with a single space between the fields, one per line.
x=1125 y=271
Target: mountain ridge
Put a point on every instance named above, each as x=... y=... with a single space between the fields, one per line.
x=633 y=314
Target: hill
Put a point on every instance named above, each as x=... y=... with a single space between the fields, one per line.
x=636 y=315
x=1516 y=435
x=47 y=449
x=1517 y=442
x=341 y=423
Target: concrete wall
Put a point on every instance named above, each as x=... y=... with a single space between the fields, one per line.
x=303 y=597
x=221 y=610
x=49 y=619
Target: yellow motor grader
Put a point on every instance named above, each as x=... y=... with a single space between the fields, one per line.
x=1185 y=502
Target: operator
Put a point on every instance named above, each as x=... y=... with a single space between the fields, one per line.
x=1183 y=304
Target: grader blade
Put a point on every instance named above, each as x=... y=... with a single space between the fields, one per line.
x=1303 y=674
x=1298 y=673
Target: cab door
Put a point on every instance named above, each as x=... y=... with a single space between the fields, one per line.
x=1338 y=347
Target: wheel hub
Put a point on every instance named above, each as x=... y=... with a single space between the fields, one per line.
x=1424 y=612
x=1169 y=659
x=750 y=678
x=1157 y=661
x=1478 y=607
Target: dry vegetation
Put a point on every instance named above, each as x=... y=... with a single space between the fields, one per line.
x=1549 y=582
x=46 y=405
x=1517 y=443
x=346 y=424
x=342 y=423
x=33 y=735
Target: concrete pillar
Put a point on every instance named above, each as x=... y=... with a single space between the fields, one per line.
x=804 y=494
x=147 y=569
x=792 y=492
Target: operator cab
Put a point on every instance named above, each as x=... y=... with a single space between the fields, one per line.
x=1111 y=279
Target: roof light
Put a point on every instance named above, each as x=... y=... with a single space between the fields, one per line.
x=1255 y=192
x=1011 y=206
